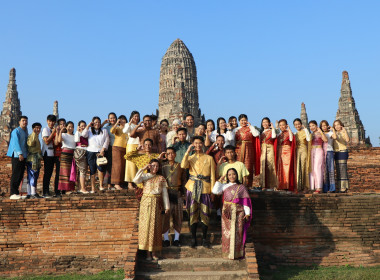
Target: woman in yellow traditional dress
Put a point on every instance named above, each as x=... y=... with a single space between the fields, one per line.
x=151 y=213
x=302 y=167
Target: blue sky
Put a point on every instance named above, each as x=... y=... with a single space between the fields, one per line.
x=262 y=58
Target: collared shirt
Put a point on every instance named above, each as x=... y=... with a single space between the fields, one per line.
x=180 y=149
x=96 y=142
x=47 y=148
x=17 y=145
x=216 y=154
x=111 y=136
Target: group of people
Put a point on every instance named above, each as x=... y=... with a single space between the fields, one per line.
x=203 y=167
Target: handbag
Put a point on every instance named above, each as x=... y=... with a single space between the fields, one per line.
x=101 y=161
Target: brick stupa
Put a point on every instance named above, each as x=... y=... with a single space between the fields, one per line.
x=11 y=112
x=348 y=114
x=304 y=118
x=178 y=93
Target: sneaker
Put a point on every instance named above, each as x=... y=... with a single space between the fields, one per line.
x=193 y=243
x=206 y=244
x=166 y=243
x=176 y=243
x=28 y=196
x=46 y=196
x=35 y=196
x=15 y=196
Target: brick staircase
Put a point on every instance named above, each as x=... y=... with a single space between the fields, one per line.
x=187 y=263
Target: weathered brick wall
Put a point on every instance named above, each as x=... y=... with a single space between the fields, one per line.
x=328 y=230
x=82 y=234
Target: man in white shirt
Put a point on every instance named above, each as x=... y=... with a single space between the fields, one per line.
x=48 y=135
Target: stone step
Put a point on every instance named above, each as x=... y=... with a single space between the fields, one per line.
x=194 y=275
x=192 y=264
x=187 y=252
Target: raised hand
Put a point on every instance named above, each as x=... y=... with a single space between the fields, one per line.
x=222 y=159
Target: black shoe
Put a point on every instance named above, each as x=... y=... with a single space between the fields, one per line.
x=193 y=243
x=27 y=197
x=36 y=196
x=57 y=195
x=206 y=244
x=176 y=243
x=166 y=243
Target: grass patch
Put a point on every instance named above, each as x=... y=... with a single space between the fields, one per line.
x=322 y=273
x=105 y=275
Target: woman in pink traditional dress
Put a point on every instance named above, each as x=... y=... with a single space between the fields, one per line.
x=317 y=157
x=236 y=214
x=285 y=157
x=268 y=151
x=247 y=143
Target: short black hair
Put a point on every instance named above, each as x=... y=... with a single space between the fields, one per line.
x=149 y=140
x=61 y=120
x=171 y=148
x=229 y=147
x=182 y=129
x=153 y=117
x=220 y=135
x=189 y=115
x=23 y=117
x=147 y=116
x=198 y=138
x=36 y=124
x=52 y=118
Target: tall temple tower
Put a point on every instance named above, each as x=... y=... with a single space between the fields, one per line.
x=55 y=109
x=348 y=114
x=178 y=93
x=304 y=118
x=11 y=112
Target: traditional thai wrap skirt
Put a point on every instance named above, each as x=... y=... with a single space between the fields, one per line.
x=329 y=175
x=64 y=183
x=199 y=211
x=150 y=222
x=118 y=165
x=268 y=179
x=176 y=211
x=342 y=182
x=283 y=166
x=81 y=161
x=130 y=167
x=232 y=230
x=245 y=151
x=302 y=167
x=317 y=168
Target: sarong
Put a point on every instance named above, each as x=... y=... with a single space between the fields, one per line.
x=199 y=211
x=130 y=167
x=150 y=223
x=118 y=165
x=176 y=212
x=317 y=168
x=283 y=166
x=232 y=230
x=64 y=183
x=245 y=151
x=268 y=179
x=342 y=182
x=329 y=175
x=302 y=175
x=81 y=161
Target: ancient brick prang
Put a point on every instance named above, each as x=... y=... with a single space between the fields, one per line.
x=55 y=109
x=11 y=112
x=178 y=93
x=304 y=118
x=348 y=114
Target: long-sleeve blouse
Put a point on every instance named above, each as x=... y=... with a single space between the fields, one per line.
x=96 y=141
x=219 y=188
x=153 y=184
x=120 y=137
x=128 y=129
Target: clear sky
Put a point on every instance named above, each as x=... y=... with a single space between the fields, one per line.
x=262 y=58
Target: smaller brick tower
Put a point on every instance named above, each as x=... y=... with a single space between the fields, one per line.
x=304 y=118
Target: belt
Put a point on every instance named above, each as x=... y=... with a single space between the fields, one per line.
x=316 y=146
x=151 y=195
x=198 y=186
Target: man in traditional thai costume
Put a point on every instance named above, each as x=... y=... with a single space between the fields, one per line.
x=150 y=217
x=33 y=161
x=230 y=156
x=142 y=155
x=202 y=178
x=180 y=144
x=236 y=214
x=286 y=152
x=217 y=152
x=175 y=177
x=147 y=132
x=302 y=165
